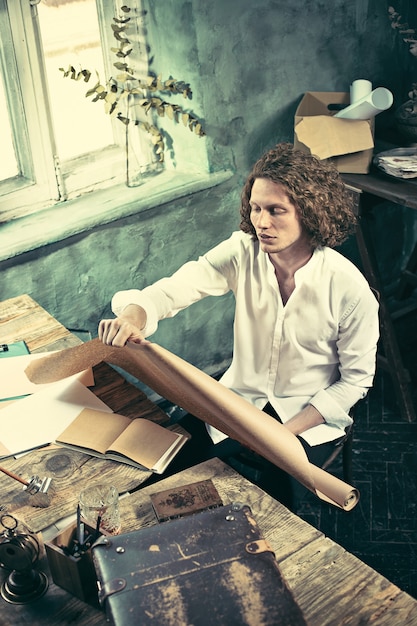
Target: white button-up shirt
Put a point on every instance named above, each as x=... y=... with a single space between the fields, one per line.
x=320 y=348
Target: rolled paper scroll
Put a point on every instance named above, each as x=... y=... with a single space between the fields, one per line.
x=366 y=108
x=360 y=89
x=185 y=385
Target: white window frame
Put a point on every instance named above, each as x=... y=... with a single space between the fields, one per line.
x=186 y=171
x=44 y=181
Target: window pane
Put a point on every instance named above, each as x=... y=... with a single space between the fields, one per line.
x=70 y=36
x=8 y=163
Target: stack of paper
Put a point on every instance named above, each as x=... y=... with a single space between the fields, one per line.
x=42 y=411
x=68 y=413
x=399 y=166
x=39 y=418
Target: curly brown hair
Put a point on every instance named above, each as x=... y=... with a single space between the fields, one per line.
x=324 y=204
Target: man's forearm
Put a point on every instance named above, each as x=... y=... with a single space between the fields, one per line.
x=305 y=419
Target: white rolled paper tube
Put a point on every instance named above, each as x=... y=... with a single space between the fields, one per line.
x=359 y=89
x=380 y=99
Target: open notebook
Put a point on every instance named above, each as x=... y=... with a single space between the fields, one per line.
x=138 y=442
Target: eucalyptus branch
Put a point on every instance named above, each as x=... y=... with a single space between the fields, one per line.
x=146 y=89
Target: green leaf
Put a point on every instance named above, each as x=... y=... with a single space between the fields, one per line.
x=119 y=34
x=86 y=74
x=118 y=29
x=111 y=97
x=124 y=78
x=123 y=67
x=92 y=91
x=170 y=111
x=138 y=91
x=112 y=108
x=124 y=120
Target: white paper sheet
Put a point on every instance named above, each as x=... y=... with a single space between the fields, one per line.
x=39 y=418
x=14 y=382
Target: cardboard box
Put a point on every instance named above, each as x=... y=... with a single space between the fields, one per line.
x=347 y=143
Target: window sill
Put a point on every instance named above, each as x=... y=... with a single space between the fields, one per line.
x=97 y=208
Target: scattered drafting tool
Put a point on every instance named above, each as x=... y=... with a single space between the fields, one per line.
x=36 y=486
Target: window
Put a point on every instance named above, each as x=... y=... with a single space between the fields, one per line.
x=56 y=143
x=8 y=166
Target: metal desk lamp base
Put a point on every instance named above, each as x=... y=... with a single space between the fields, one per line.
x=24 y=587
x=19 y=552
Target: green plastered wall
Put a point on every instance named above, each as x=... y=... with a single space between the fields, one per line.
x=249 y=63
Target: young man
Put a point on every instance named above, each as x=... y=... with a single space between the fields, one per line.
x=306 y=321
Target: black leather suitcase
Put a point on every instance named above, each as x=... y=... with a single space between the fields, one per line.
x=212 y=567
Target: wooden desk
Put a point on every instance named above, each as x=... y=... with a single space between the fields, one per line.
x=372 y=189
x=331 y=586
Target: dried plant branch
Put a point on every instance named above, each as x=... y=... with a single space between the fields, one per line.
x=146 y=89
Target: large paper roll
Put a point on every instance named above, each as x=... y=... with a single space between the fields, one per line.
x=366 y=108
x=196 y=392
x=360 y=89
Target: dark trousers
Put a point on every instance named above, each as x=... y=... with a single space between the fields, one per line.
x=255 y=468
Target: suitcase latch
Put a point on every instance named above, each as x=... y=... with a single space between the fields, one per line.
x=108 y=589
x=258 y=546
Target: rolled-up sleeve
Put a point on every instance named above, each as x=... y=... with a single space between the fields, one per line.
x=122 y=299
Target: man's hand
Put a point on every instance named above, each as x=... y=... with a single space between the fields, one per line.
x=117 y=332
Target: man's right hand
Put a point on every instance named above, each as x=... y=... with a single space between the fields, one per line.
x=128 y=327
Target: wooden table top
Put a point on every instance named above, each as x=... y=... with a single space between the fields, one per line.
x=331 y=586
x=396 y=190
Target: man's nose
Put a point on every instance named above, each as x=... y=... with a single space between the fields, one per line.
x=264 y=219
